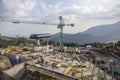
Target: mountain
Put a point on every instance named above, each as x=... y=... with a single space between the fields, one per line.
x=110 y=32
x=113 y=36
x=80 y=38
x=104 y=30
x=102 y=33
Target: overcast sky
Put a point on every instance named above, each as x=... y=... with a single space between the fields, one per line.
x=83 y=13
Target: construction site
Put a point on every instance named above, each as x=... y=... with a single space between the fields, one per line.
x=37 y=62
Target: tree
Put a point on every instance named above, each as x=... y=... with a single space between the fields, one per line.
x=20 y=40
x=118 y=43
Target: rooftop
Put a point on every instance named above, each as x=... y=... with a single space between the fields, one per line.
x=37 y=36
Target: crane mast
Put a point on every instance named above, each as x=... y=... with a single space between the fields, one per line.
x=60 y=26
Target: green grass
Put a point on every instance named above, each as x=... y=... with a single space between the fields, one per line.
x=5 y=38
x=2 y=57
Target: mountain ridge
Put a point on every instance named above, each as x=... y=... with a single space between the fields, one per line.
x=101 y=33
x=101 y=30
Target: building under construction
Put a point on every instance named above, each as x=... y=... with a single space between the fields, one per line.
x=57 y=66
x=31 y=62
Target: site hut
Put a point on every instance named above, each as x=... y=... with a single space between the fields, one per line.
x=37 y=38
x=88 y=47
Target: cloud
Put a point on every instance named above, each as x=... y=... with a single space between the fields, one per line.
x=91 y=13
x=18 y=7
x=83 y=13
x=93 y=9
x=99 y=10
x=42 y=5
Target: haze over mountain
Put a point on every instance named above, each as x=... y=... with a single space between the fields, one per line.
x=77 y=38
x=101 y=33
x=110 y=32
x=103 y=30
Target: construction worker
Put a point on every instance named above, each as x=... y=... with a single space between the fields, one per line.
x=54 y=65
x=42 y=60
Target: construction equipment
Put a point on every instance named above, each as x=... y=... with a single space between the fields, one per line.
x=38 y=37
x=72 y=72
x=60 y=26
x=80 y=62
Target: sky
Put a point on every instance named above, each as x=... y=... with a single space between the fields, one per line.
x=83 y=13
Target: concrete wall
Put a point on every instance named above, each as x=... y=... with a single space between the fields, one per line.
x=16 y=71
x=13 y=58
x=4 y=76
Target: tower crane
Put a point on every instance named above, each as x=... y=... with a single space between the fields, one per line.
x=60 y=26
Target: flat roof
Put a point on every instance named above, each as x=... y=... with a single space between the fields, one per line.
x=37 y=36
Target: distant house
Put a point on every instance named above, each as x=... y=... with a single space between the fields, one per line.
x=88 y=47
